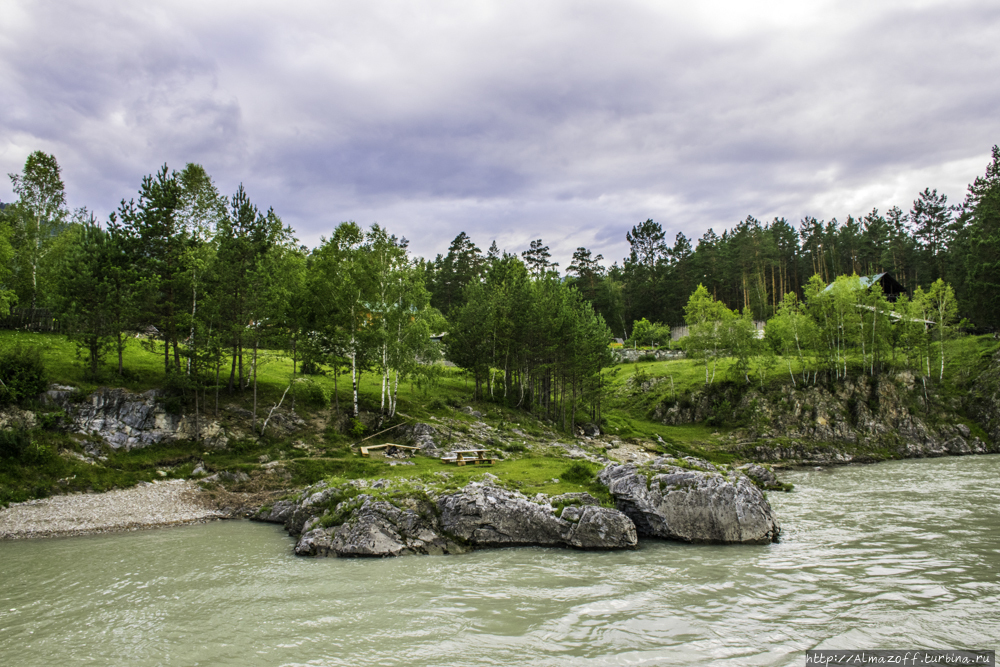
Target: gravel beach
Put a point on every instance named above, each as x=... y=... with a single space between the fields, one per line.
x=167 y=503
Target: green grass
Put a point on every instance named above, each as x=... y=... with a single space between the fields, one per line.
x=529 y=475
x=530 y=467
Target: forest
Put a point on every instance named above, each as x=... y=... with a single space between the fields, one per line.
x=209 y=281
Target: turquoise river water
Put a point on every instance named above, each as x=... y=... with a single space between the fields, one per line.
x=896 y=555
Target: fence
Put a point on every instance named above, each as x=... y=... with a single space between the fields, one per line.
x=30 y=319
x=676 y=333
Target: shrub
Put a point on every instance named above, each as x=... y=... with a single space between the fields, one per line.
x=17 y=444
x=578 y=472
x=309 y=367
x=22 y=373
x=52 y=421
x=173 y=392
x=308 y=392
x=722 y=414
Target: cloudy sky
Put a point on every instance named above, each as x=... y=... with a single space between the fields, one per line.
x=570 y=121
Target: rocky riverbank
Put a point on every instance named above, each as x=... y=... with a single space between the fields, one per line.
x=859 y=420
x=682 y=499
x=148 y=505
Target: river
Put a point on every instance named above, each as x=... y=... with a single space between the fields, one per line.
x=896 y=555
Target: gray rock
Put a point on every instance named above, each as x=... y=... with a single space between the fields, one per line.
x=488 y=516
x=763 y=476
x=422 y=436
x=279 y=512
x=860 y=419
x=480 y=515
x=378 y=529
x=689 y=505
x=128 y=421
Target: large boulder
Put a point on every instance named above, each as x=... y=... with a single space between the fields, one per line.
x=666 y=500
x=379 y=528
x=489 y=516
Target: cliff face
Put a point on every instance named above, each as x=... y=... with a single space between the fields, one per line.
x=984 y=399
x=125 y=420
x=859 y=419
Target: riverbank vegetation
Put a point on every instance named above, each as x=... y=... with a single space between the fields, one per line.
x=211 y=301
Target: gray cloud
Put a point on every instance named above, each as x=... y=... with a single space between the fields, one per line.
x=569 y=121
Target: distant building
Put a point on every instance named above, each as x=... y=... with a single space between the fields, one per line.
x=890 y=286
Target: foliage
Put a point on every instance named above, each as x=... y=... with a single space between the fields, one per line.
x=579 y=472
x=22 y=374
x=38 y=216
x=530 y=341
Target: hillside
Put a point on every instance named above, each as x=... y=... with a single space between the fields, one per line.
x=84 y=436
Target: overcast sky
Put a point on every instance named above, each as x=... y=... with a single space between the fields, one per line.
x=567 y=121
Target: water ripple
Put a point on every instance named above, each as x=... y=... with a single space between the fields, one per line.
x=903 y=554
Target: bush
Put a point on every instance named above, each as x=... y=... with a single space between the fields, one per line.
x=52 y=421
x=722 y=414
x=173 y=392
x=309 y=393
x=16 y=444
x=578 y=472
x=310 y=367
x=22 y=373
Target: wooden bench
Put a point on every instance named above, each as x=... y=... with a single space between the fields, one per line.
x=366 y=450
x=467 y=456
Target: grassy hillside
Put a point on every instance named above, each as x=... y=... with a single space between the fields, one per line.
x=47 y=459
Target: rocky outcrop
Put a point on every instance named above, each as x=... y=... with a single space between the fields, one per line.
x=857 y=420
x=423 y=436
x=125 y=420
x=984 y=399
x=361 y=520
x=484 y=515
x=379 y=528
x=761 y=475
x=695 y=503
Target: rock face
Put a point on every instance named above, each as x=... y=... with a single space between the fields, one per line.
x=488 y=516
x=422 y=436
x=984 y=399
x=379 y=528
x=360 y=523
x=668 y=501
x=128 y=421
x=857 y=420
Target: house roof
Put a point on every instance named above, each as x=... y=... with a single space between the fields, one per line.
x=889 y=284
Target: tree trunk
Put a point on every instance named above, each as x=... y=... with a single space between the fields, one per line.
x=254 y=422
x=232 y=372
x=354 y=380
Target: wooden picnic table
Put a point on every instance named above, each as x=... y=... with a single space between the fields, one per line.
x=473 y=456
